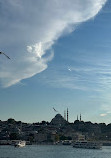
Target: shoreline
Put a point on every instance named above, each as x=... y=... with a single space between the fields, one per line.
x=11 y=142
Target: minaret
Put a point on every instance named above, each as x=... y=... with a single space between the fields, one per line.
x=64 y=114
x=80 y=117
x=77 y=117
x=67 y=115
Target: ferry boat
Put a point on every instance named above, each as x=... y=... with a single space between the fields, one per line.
x=20 y=144
x=87 y=145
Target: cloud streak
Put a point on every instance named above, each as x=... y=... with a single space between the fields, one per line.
x=33 y=28
x=103 y=115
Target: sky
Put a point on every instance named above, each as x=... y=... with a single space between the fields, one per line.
x=60 y=57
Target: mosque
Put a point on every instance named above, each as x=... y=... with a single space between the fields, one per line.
x=59 y=120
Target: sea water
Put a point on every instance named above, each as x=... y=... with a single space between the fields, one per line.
x=53 y=151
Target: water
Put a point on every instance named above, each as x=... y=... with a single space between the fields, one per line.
x=52 y=151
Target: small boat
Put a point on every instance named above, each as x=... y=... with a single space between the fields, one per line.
x=66 y=142
x=87 y=145
x=20 y=144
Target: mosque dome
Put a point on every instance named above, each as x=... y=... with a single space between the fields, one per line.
x=58 y=120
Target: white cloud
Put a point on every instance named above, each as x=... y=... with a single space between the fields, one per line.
x=33 y=27
x=102 y=115
x=36 y=49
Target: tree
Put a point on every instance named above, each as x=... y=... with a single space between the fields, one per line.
x=11 y=121
x=14 y=136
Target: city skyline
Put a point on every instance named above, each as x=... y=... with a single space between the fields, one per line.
x=60 y=55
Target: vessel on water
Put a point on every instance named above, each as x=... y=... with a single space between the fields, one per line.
x=87 y=145
x=67 y=142
x=20 y=144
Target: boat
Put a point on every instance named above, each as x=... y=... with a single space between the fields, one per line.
x=87 y=145
x=66 y=142
x=20 y=144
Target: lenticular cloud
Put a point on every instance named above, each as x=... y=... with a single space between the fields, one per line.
x=33 y=27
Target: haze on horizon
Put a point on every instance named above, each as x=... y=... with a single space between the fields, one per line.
x=60 y=57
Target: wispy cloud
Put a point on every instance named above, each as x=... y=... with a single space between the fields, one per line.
x=102 y=115
x=91 y=76
x=33 y=27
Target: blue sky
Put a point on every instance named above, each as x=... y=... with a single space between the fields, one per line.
x=60 y=57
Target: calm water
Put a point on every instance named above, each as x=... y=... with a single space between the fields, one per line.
x=52 y=151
